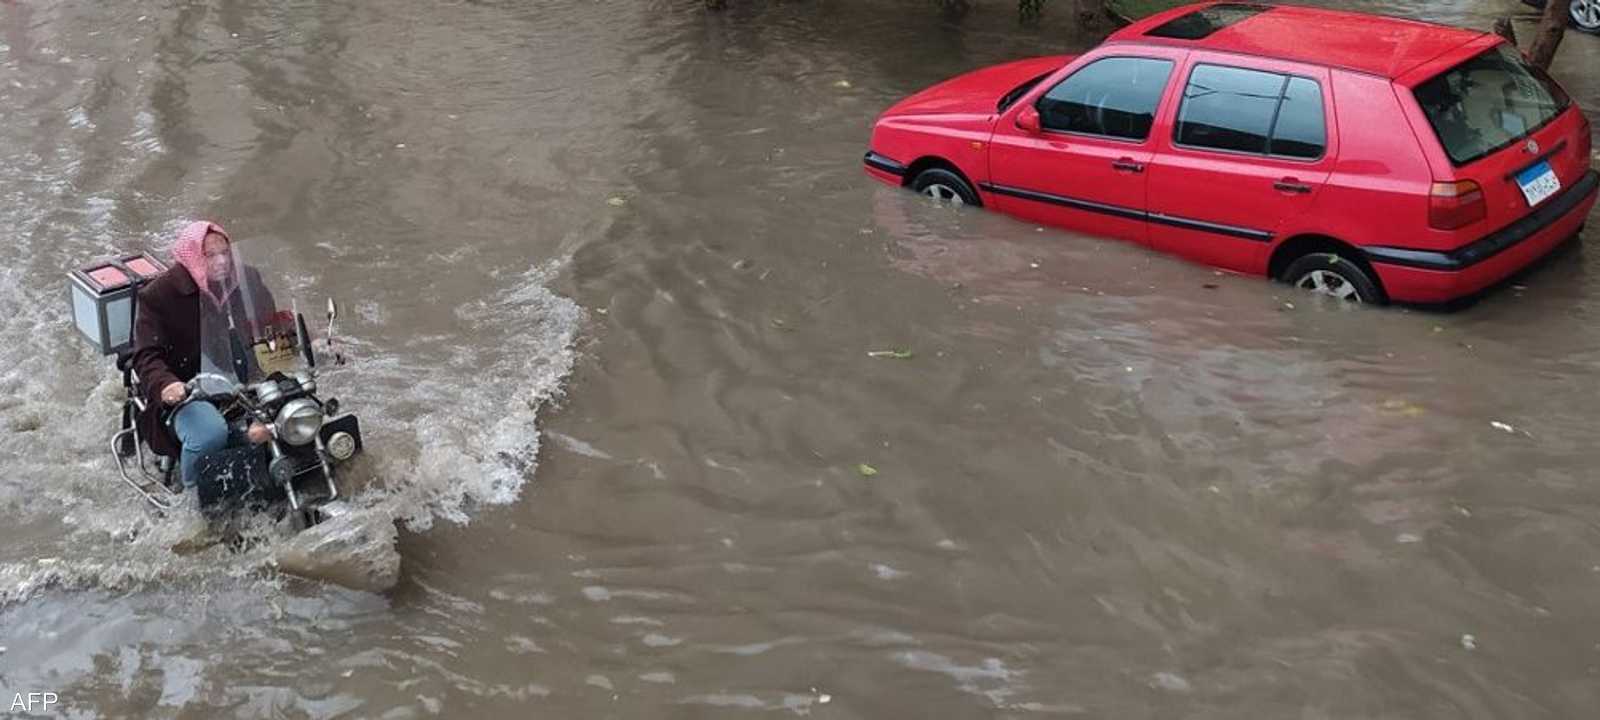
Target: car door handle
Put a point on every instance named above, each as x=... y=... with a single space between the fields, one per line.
x=1127 y=165
x=1292 y=186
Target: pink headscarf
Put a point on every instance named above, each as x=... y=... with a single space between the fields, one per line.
x=189 y=251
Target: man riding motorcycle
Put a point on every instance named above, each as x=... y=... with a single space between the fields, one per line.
x=184 y=317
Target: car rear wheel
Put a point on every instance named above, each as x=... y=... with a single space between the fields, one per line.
x=945 y=187
x=1333 y=276
x=1586 y=13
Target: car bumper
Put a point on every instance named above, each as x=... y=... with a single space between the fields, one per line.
x=885 y=169
x=1427 y=276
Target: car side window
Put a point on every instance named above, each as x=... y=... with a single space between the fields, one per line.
x=1113 y=97
x=1300 y=132
x=1250 y=111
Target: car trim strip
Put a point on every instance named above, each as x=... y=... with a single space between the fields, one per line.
x=1131 y=213
x=879 y=162
x=1496 y=242
x=1242 y=233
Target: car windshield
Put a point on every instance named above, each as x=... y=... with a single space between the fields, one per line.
x=1487 y=103
x=1016 y=93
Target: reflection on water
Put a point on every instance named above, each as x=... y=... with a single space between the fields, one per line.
x=1108 y=483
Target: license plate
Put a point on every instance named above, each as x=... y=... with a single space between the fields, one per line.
x=1538 y=183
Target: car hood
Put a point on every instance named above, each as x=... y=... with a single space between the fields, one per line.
x=977 y=92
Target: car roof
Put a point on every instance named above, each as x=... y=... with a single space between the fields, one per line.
x=1373 y=44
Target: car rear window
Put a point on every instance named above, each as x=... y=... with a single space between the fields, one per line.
x=1488 y=103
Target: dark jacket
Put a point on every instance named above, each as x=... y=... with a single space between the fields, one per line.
x=166 y=343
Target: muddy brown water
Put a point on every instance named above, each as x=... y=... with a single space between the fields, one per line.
x=613 y=273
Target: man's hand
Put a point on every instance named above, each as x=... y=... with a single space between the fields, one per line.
x=258 y=434
x=173 y=393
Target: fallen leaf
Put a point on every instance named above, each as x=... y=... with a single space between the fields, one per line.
x=866 y=470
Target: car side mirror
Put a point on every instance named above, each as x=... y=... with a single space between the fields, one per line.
x=1028 y=120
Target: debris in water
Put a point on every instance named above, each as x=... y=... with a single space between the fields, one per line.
x=1469 y=642
x=1210 y=286
x=866 y=470
x=599 y=681
x=842 y=84
x=1496 y=424
x=1288 y=306
x=1169 y=681
x=884 y=572
x=1033 y=265
x=1397 y=406
x=615 y=201
x=1407 y=538
x=894 y=354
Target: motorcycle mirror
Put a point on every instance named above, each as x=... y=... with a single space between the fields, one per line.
x=333 y=312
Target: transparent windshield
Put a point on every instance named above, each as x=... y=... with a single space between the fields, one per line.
x=244 y=333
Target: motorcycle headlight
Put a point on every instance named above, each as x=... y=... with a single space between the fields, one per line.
x=298 y=422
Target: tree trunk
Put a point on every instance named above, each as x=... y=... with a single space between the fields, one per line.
x=1552 y=27
x=1503 y=28
x=1090 y=14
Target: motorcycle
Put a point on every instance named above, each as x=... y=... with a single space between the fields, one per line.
x=258 y=366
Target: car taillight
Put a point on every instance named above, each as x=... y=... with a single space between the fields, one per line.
x=1456 y=204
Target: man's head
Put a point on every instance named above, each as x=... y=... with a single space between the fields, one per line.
x=203 y=249
x=219 y=256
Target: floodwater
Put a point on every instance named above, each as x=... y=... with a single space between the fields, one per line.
x=612 y=273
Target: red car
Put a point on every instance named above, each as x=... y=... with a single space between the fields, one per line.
x=1363 y=157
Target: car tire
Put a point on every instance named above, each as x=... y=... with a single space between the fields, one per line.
x=1331 y=275
x=1586 y=14
x=945 y=187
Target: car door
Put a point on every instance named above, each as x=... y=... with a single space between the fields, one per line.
x=1073 y=154
x=1242 y=152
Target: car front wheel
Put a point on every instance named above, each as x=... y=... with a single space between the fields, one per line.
x=1333 y=276
x=945 y=187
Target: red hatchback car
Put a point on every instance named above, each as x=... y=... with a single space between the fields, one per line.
x=1363 y=157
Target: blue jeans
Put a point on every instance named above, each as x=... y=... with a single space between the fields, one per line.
x=201 y=429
